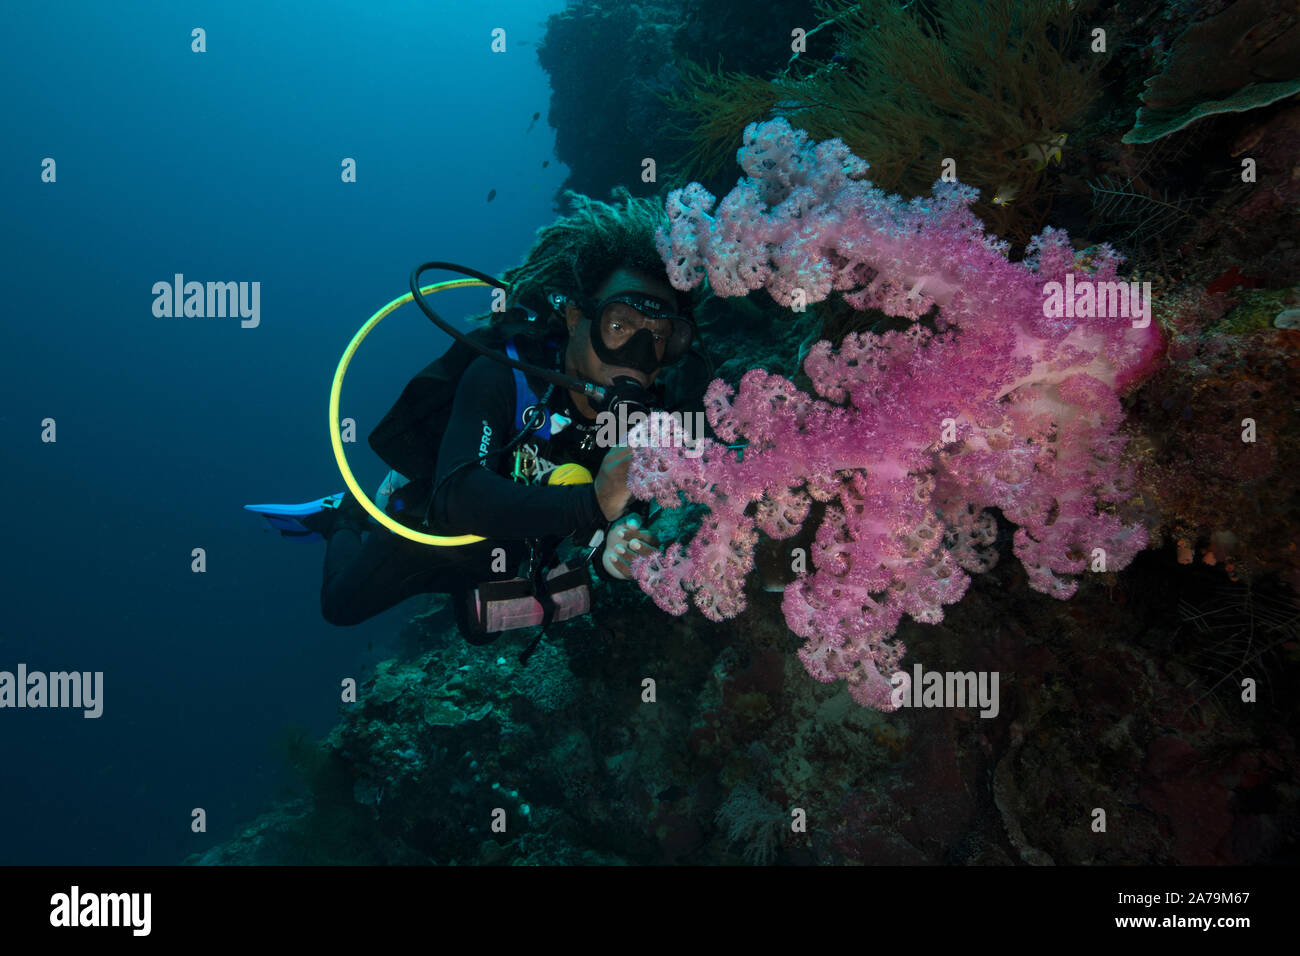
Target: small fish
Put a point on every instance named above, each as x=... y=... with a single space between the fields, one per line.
x=1041 y=153
x=545 y=163
x=492 y=194
x=530 y=125
x=1004 y=195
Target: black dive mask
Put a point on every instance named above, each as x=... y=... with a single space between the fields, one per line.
x=636 y=330
x=638 y=352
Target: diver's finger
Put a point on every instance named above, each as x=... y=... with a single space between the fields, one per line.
x=642 y=542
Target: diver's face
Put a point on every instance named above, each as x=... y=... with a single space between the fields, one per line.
x=581 y=357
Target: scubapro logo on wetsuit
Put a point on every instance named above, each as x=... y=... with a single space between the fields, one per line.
x=483 y=444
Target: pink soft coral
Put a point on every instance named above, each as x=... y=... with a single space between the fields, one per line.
x=916 y=433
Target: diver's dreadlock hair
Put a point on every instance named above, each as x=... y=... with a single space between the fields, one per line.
x=578 y=252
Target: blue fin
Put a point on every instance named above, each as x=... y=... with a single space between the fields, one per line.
x=286 y=518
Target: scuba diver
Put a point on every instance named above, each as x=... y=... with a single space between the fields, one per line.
x=502 y=437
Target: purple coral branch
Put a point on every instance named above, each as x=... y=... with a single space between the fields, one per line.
x=916 y=433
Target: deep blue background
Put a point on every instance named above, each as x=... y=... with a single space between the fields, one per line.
x=223 y=166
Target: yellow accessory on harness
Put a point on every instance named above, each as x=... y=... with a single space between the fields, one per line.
x=570 y=474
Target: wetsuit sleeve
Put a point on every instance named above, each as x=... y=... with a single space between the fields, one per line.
x=476 y=499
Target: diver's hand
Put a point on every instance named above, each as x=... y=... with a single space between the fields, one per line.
x=611 y=482
x=626 y=540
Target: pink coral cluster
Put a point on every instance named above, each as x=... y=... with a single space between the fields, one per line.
x=916 y=433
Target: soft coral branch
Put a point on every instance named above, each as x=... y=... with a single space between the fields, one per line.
x=916 y=433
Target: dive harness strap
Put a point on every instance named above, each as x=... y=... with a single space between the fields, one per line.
x=528 y=408
x=539 y=585
x=530 y=416
x=539 y=556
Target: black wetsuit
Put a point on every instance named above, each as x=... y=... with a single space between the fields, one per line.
x=370 y=569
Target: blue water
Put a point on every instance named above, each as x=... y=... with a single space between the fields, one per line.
x=222 y=166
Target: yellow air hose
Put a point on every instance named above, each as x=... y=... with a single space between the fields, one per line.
x=337 y=389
